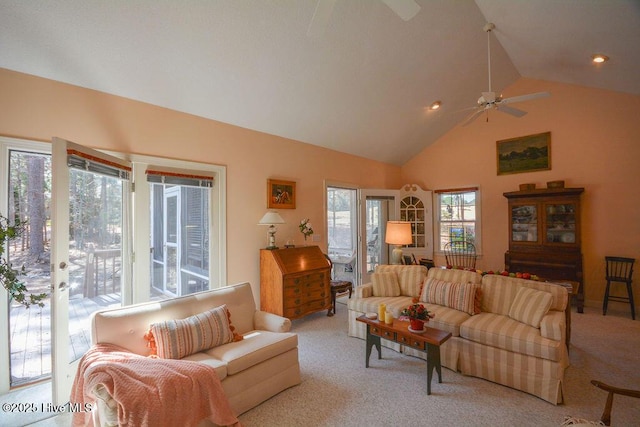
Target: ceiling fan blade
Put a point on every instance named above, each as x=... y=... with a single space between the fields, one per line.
x=522 y=98
x=320 y=19
x=472 y=117
x=405 y=9
x=510 y=110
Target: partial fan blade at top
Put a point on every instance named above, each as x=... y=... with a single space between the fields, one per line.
x=405 y=9
x=522 y=98
x=510 y=110
x=320 y=19
x=472 y=117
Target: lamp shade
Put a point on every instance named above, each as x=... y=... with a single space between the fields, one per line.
x=398 y=233
x=270 y=218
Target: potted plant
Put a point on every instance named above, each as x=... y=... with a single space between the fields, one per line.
x=417 y=314
x=8 y=276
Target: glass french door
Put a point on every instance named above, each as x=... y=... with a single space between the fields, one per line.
x=25 y=195
x=342 y=232
x=376 y=208
x=90 y=266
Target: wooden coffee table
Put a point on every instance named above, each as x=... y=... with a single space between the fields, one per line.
x=428 y=341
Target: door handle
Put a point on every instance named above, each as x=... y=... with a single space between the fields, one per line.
x=62 y=286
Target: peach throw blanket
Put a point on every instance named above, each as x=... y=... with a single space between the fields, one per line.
x=151 y=391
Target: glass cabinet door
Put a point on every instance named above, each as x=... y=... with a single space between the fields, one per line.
x=412 y=210
x=560 y=223
x=524 y=223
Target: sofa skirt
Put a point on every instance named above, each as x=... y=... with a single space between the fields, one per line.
x=536 y=376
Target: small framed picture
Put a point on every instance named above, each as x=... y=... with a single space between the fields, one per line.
x=524 y=154
x=281 y=194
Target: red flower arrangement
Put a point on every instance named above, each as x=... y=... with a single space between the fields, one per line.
x=417 y=311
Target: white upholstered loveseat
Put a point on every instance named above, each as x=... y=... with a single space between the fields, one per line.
x=262 y=364
x=513 y=339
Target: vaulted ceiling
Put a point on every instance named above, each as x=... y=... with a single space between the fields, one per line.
x=357 y=79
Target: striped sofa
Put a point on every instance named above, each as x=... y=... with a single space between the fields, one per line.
x=510 y=331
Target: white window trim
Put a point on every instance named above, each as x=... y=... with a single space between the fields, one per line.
x=436 y=217
x=217 y=221
x=343 y=186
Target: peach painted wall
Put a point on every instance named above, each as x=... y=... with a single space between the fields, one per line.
x=38 y=109
x=595 y=144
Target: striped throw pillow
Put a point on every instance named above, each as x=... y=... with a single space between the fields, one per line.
x=175 y=339
x=461 y=296
x=530 y=305
x=385 y=284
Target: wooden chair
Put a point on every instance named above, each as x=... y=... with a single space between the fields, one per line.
x=606 y=414
x=619 y=269
x=337 y=287
x=460 y=254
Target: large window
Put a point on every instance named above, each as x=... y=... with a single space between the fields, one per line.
x=458 y=216
x=184 y=220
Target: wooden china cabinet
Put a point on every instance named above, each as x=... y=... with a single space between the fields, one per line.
x=544 y=235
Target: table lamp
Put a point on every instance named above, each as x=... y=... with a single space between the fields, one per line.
x=271 y=218
x=398 y=233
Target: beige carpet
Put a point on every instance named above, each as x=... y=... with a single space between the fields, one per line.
x=337 y=390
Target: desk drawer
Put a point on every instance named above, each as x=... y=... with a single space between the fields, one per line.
x=306 y=297
x=411 y=342
x=389 y=335
x=306 y=281
x=308 y=307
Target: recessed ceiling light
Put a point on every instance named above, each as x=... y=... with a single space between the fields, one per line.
x=436 y=105
x=599 y=58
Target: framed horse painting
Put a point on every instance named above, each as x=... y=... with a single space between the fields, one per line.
x=281 y=194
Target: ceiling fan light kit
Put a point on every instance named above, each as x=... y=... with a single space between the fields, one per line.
x=488 y=100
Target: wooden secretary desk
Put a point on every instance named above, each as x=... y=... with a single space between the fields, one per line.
x=294 y=282
x=544 y=235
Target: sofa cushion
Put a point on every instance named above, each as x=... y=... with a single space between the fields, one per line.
x=255 y=348
x=530 y=306
x=385 y=284
x=410 y=277
x=446 y=319
x=498 y=293
x=411 y=280
x=460 y=296
x=175 y=339
x=455 y=275
x=496 y=330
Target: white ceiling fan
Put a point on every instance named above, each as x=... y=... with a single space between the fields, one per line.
x=405 y=9
x=489 y=100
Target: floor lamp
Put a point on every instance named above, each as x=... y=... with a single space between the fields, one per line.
x=398 y=233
